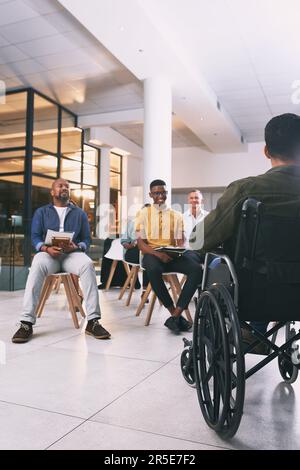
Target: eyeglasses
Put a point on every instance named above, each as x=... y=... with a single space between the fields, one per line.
x=159 y=193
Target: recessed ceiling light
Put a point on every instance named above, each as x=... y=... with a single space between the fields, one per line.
x=141 y=50
x=122 y=28
x=202 y=118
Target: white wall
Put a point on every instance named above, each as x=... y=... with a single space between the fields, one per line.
x=132 y=180
x=194 y=167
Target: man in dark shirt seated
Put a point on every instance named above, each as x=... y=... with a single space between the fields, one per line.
x=278 y=185
x=60 y=216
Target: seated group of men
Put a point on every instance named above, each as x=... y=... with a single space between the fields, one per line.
x=156 y=226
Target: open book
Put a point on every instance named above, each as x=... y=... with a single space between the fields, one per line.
x=58 y=238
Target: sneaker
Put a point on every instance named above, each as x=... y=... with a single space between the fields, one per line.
x=24 y=333
x=94 y=328
x=173 y=324
x=184 y=325
x=248 y=338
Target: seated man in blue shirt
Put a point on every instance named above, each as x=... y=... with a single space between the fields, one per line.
x=60 y=216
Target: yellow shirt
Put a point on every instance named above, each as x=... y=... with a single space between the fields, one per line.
x=159 y=225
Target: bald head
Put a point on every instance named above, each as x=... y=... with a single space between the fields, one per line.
x=60 y=191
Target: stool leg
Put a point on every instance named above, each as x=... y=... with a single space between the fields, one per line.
x=111 y=274
x=183 y=279
x=129 y=277
x=135 y=269
x=171 y=279
x=76 y=294
x=150 y=309
x=46 y=290
x=126 y=267
x=57 y=284
x=68 y=291
x=143 y=300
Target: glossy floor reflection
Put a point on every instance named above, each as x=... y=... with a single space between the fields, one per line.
x=65 y=390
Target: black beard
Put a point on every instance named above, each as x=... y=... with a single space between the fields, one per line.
x=63 y=198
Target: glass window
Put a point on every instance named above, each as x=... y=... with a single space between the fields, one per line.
x=45 y=124
x=11 y=165
x=115 y=189
x=115 y=181
x=70 y=170
x=13 y=120
x=12 y=154
x=41 y=193
x=88 y=205
x=13 y=178
x=90 y=155
x=12 y=236
x=45 y=164
x=71 y=143
x=67 y=120
x=42 y=182
x=115 y=162
x=90 y=175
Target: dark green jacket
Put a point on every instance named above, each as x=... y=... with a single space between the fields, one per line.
x=276 y=186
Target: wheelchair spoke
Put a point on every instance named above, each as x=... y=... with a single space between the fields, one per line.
x=219 y=361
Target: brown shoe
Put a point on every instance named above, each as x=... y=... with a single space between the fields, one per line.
x=248 y=338
x=24 y=333
x=94 y=328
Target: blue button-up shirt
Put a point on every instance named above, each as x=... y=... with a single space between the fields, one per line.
x=46 y=217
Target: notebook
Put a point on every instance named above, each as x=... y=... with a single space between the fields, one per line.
x=171 y=250
x=58 y=238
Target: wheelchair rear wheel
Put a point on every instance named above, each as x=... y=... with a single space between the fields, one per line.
x=219 y=365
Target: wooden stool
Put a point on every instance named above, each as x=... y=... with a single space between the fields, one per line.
x=74 y=300
x=131 y=280
x=176 y=290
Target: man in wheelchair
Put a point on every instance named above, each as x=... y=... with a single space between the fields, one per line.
x=254 y=278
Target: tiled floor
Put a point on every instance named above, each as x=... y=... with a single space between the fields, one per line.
x=65 y=390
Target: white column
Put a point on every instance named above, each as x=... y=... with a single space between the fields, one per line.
x=104 y=188
x=157 y=133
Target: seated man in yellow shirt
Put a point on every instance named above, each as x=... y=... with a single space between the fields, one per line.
x=159 y=226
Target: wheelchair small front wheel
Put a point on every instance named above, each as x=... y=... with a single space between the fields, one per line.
x=187 y=367
x=287 y=370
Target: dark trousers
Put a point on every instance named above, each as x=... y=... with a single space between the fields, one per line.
x=185 y=264
x=260 y=326
x=133 y=256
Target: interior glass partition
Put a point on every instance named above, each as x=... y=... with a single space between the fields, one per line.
x=115 y=189
x=12 y=196
x=39 y=142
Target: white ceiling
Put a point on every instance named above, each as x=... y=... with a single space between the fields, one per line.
x=247 y=53
x=43 y=46
x=182 y=136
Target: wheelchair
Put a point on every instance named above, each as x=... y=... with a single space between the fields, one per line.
x=262 y=283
